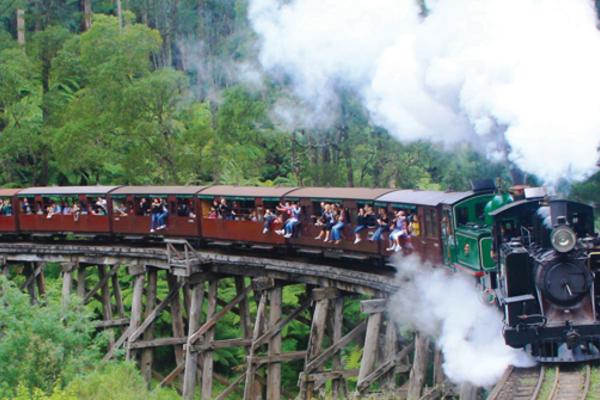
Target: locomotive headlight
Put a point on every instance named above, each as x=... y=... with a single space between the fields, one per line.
x=563 y=239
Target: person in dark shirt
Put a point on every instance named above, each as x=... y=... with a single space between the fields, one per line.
x=382 y=225
x=224 y=210
x=360 y=224
x=144 y=207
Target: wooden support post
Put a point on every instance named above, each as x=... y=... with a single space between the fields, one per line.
x=338 y=385
x=274 y=370
x=207 y=368
x=244 y=310
x=176 y=319
x=438 y=371
x=191 y=358
x=147 y=354
x=468 y=392
x=117 y=293
x=390 y=348
x=5 y=268
x=136 y=305
x=41 y=280
x=369 y=355
x=251 y=392
x=81 y=281
x=317 y=332
x=419 y=368
x=29 y=285
x=67 y=283
x=105 y=290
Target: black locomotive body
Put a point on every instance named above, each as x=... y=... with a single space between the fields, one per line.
x=547 y=278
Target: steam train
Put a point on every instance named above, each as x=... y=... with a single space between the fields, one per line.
x=536 y=258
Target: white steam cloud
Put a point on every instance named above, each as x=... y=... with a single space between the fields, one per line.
x=521 y=71
x=448 y=307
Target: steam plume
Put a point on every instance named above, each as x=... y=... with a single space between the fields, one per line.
x=448 y=307
x=517 y=72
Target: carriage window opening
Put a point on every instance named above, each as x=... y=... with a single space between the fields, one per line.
x=6 y=207
x=98 y=205
x=142 y=206
x=121 y=207
x=185 y=208
x=27 y=205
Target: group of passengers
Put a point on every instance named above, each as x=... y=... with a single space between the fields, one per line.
x=6 y=209
x=72 y=207
x=158 y=211
x=222 y=210
x=331 y=221
x=333 y=218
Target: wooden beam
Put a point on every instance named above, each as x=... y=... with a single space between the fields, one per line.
x=177 y=321
x=369 y=354
x=111 y=323
x=81 y=281
x=101 y=283
x=274 y=369
x=207 y=367
x=223 y=395
x=249 y=389
x=213 y=320
x=221 y=344
x=244 y=310
x=147 y=358
x=154 y=314
x=279 y=358
x=390 y=347
x=338 y=384
x=315 y=340
x=136 y=316
x=320 y=360
x=419 y=368
x=117 y=293
x=278 y=326
x=66 y=286
x=191 y=358
x=373 y=306
x=41 y=281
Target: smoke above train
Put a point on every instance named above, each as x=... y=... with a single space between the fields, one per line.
x=518 y=78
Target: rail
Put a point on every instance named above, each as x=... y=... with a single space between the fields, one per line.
x=571 y=383
x=519 y=383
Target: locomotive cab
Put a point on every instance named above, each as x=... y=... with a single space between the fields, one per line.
x=546 y=286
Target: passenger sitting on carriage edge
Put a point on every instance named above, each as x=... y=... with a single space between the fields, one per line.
x=400 y=231
x=225 y=211
x=268 y=219
x=7 y=210
x=324 y=221
x=159 y=215
x=382 y=226
x=336 y=230
x=360 y=223
x=290 y=224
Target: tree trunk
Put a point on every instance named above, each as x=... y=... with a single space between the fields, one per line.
x=120 y=14
x=87 y=14
x=21 y=26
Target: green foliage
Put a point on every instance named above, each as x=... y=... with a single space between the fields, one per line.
x=42 y=345
x=118 y=381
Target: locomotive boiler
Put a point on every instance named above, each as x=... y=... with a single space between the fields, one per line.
x=546 y=278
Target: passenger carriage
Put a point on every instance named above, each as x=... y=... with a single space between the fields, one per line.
x=89 y=218
x=350 y=200
x=129 y=218
x=9 y=223
x=249 y=204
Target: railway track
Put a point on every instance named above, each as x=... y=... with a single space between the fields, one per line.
x=568 y=383
x=571 y=383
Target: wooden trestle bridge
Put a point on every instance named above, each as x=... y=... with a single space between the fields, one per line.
x=390 y=363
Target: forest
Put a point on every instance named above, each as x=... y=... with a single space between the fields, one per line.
x=134 y=92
